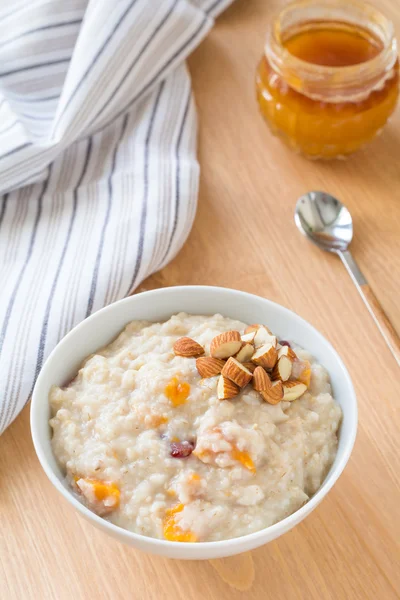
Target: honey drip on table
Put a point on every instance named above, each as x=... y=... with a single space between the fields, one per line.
x=237 y=571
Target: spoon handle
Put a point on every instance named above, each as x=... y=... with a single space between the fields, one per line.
x=385 y=327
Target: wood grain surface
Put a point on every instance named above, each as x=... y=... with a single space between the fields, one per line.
x=244 y=237
x=382 y=321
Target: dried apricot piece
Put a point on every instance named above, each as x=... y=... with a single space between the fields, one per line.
x=155 y=421
x=177 y=392
x=305 y=375
x=102 y=497
x=244 y=458
x=172 y=531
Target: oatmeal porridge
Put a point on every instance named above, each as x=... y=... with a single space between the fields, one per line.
x=196 y=429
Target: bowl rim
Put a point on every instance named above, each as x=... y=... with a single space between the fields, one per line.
x=253 y=538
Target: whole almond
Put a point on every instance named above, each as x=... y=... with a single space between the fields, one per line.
x=261 y=380
x=187 y=347
x=208 y=366
x=225 y=344
x=236 y=372
x=226 y=389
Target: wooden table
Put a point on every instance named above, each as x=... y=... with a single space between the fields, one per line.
x=244 y=237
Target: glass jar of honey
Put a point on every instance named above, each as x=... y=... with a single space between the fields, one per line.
x=329 y=77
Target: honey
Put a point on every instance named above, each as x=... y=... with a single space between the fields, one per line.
x=327 y=86
x=333 y=44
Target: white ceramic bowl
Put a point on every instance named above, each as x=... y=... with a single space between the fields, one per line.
x=103 y=326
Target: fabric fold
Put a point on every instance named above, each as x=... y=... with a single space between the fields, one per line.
x=98 y=165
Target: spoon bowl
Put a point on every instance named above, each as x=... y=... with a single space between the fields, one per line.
x=325 y=221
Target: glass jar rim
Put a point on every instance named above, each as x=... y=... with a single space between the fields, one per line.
x=333 y=82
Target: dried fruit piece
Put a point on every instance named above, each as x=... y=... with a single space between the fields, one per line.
x=205 y=455
x=266 y=356
x=177 y=392
x=154 y=421
x=305 y=376
x=244 y=458
x=172 y=531
x=248 y=337
x=274 y=394
x=187 y=347
x=181 y=449
x=264 y=336
x=209 y=366
x=293 y=390
x=285 y=343
x=225 y=344
x=101 y=497
x=250 y=366
x=261 y=380
x=301 y=371
x=236 y=372
x=226 y=388
x=245 y=353
x=282 y=369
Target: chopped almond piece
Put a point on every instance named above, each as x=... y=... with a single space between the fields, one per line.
x=226 y=389
x=274 y=394
x=225 y=344
x=245 y=353
x=236 y=372
x=287 y=351
x=250 y=366
x=266 y=356
x=208 y=366
x=293 y=390
x=263 y=336
x=248 y=337
x=282 y=369
x=261 y=380
x=252 y=328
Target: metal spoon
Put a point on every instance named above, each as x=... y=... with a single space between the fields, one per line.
x=328 y=224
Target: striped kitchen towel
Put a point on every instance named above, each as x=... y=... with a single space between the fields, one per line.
x=98 y=169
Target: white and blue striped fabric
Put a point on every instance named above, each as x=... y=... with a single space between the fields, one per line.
x=98 y=168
